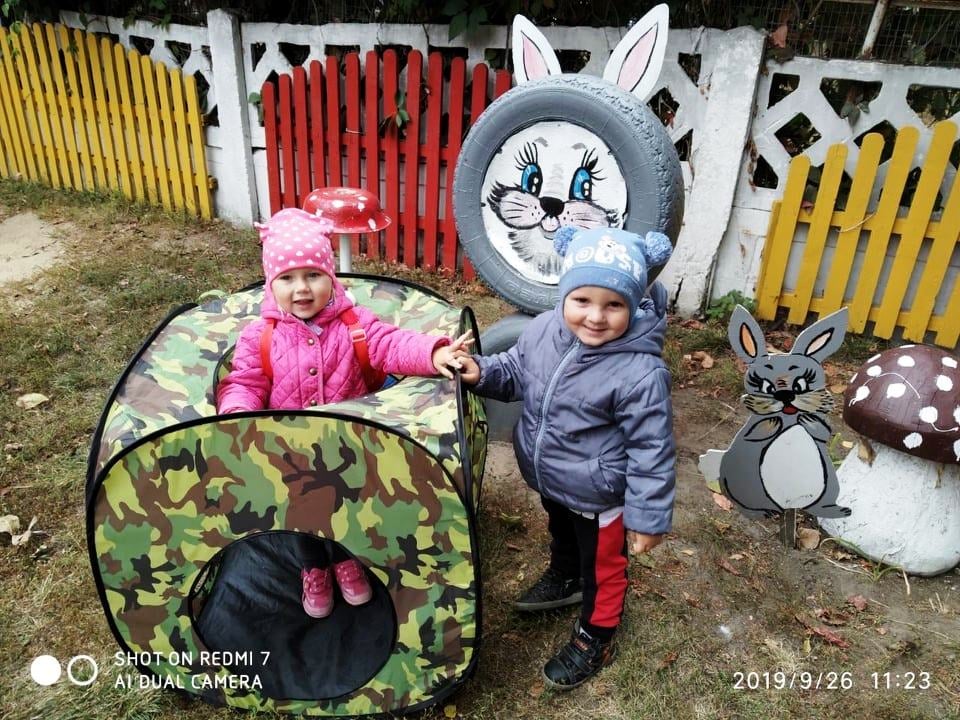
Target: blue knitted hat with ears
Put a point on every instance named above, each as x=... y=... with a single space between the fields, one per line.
x=609 y=258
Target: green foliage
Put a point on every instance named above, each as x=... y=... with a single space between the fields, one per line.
x=721 y=308
x=397 y=121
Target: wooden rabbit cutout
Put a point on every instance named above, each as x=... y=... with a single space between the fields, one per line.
x=778 y=462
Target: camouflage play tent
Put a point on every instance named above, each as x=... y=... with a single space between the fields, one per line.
x=197 y=524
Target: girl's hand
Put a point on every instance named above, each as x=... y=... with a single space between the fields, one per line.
x=450 y=356
x=462 y=343
x=640 y=542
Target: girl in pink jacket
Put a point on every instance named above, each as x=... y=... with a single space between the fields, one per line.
x=312 y=356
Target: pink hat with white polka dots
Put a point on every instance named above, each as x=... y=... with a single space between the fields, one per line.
x=294 y=239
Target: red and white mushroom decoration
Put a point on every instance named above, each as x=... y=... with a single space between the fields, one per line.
x=903 y=483
x=353 y=211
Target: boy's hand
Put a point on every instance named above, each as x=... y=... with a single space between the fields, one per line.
x=469 y=370
x=640 y=542
x=449 y=356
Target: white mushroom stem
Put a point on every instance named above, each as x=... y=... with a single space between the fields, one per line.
x=905 y=511
x=346 y=257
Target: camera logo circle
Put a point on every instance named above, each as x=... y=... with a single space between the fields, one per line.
x=46 y=670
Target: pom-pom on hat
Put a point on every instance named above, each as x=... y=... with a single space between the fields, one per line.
x=293 y=239
x=609 y=258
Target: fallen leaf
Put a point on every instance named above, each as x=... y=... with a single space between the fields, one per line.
x=778 y=38
x=12 y=447
x=819 y=630
x=838 y=388
x=830 y=636
x=736 y=556
x=882 y=630
x=865 y=451
x=511 y=520
x=721 y=526
x=808 y=538
x=832 y=617
x=729 y=568
x=806 y=645
x=669 y=659
x=858 y=601
x=450 y=711
x=515 y=548
x=536 y=690
x=705 y=360
x=24 y=537
x=692 y=324
x=687 y=551
x=847 y=444
x=691 y=601
x=645 y=560
x=31 y=400
x=722 y=502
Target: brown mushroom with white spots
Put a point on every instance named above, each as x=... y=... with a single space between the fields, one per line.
x=902 y=483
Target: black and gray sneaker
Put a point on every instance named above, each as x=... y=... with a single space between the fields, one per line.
x=552 y=590
x=578 y=661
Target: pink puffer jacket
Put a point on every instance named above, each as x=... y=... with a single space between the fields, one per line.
x=311 y=370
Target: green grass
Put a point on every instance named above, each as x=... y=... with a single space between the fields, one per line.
x=68 y=333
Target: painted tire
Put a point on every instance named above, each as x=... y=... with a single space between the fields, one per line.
x=498 y=338
x=645 y=157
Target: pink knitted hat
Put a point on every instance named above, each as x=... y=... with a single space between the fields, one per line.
x=294 y=239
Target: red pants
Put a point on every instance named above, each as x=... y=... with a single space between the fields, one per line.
x=581 y=548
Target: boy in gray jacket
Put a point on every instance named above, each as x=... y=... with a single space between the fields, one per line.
x=595 y=435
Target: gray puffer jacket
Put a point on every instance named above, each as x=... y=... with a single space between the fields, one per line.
x=596 y=429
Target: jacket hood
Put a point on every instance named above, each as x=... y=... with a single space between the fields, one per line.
x=338 y=303
x=646 y=333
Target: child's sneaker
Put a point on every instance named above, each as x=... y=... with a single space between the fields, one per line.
x=317 y=591
x=552 y=590
x=578 y=661
x=353 y=582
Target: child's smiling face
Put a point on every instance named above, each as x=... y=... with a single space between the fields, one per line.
x=596 y=315
x=303 y=292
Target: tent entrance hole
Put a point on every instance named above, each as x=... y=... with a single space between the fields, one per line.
x=248 y=600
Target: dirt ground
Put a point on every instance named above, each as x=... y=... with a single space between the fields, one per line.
x=728 y=597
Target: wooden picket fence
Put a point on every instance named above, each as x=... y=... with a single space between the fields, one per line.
x=84 y=113
x=915 y=230
x=308 y=148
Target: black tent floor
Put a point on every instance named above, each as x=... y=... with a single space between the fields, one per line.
x=254 y=607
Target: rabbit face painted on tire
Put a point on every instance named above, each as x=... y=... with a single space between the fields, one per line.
x=779 y=460
x=565 y=149
x=531 y=189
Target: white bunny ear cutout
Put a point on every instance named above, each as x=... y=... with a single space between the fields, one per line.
x=533 y=58
x=637 y=59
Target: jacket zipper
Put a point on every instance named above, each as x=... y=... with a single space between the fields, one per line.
x=547 y=397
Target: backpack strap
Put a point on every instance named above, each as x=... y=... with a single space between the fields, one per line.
x=372 y=377
x=266 y=341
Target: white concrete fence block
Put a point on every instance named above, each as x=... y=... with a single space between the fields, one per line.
x=716 y=161
x=236 y=193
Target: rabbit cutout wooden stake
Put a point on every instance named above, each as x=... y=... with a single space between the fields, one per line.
x=566 y=149
x=778 y=462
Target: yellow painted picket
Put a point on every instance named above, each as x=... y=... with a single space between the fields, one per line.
x=922 y=227
x=82 y=112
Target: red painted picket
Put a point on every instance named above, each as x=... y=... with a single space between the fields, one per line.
x=371 y=139
x=324 y=125
x=391 y=152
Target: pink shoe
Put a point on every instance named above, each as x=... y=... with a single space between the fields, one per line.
x=317 y=591
x=353 y=582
